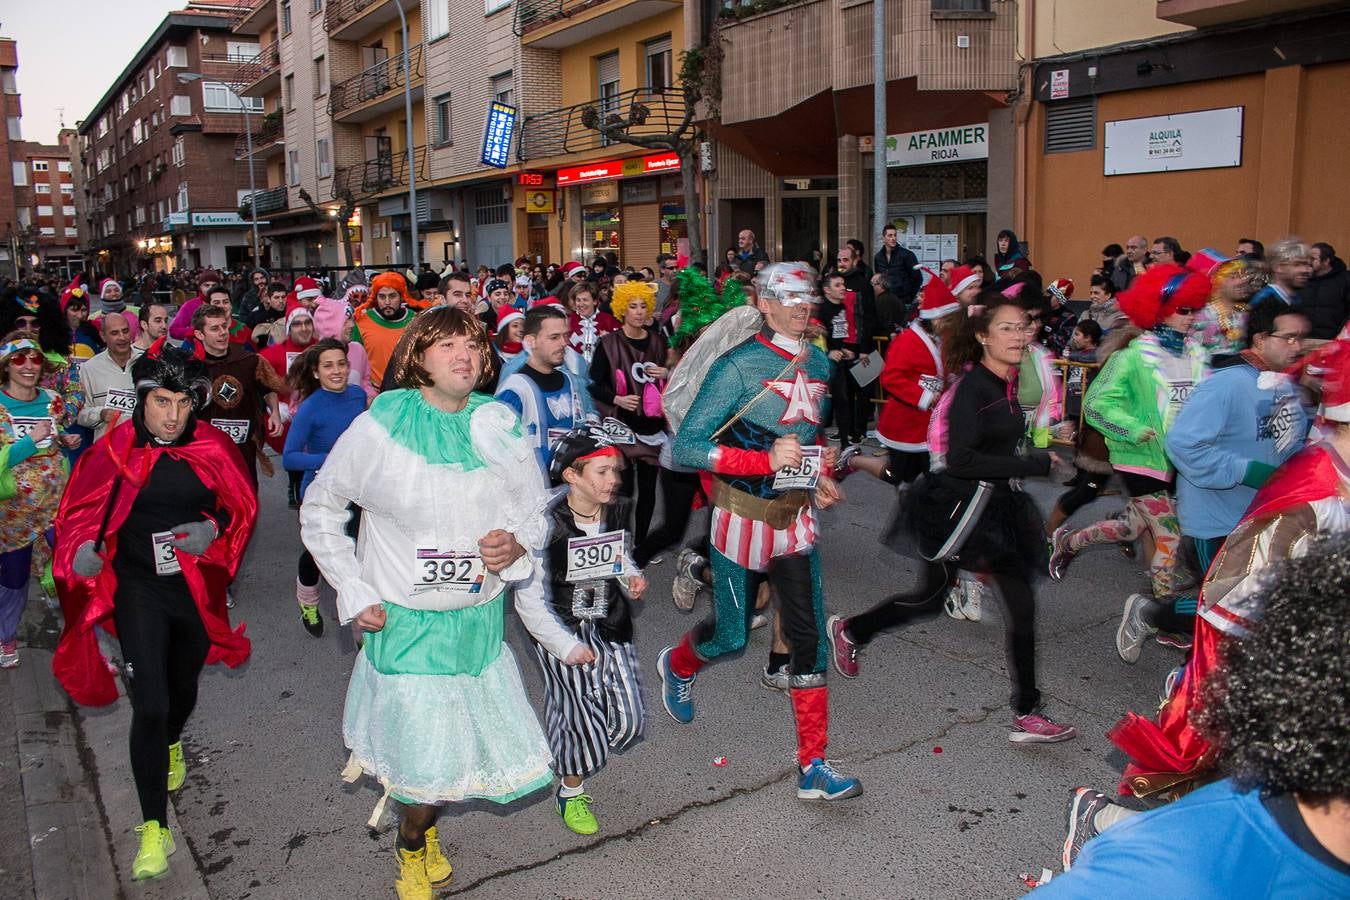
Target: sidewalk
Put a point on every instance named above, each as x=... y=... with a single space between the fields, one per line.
x=69 y=807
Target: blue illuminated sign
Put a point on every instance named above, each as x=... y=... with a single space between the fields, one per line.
x=501 y=127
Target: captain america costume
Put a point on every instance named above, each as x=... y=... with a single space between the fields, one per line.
x=768 y=387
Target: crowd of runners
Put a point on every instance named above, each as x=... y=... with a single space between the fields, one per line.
x=544 y=434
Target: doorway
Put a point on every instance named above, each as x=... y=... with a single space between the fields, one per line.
x=808 y=227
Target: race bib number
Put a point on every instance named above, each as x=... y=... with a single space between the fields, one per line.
x=592 y=558
x=555 y=435
x=459 y=573
x=166 y=560
x=123 y=401
x=24 y=424
x=805 y=476
x=839 y=327
x=1178 y=393
x=617 y=432
x=237 y=429
x=290 y=360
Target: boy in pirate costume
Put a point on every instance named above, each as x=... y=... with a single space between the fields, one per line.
x=756 y=427
x=593 y=696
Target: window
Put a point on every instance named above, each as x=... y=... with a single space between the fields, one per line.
x=20 y=173
x=294 y=166
x=607 y=87
x=960 y=6
x=70 y=231
x=137 y=131
x=285 y=16
x=1071 y=125
x=41 y=165
x=8 y=81
x=443 y=135
x=288 y=92
x=140 y=215
x=44 y=210
x=15 y=128
x=176 y=58
x=47 y=231
x=24 y=216
x=217 y=97
x=438 y=19
x=182 y=196
x=103 y=126
x=320 y=77
x=42 y=187
x=179 y=152
x=659 y=75
x=242 y=51
x=180 y=105
x=491 y=6
x=316 y=6
x=150 y=77
x=67 y=210
x=504 y=88
x=324 y=157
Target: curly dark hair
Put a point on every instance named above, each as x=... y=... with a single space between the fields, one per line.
x=1278 y=707
x=53 y=333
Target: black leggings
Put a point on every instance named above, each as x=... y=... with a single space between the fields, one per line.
x=164 y=645
x=925 y=602
x=1086 y=488
x=852 y=407
x=678 y=490
x=644 y=500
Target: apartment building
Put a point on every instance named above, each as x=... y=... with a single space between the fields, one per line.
x=162 y=184
x=16 y=233
x=1206 y=120
x=52 y=210
x=794 y=154
x=69 y=139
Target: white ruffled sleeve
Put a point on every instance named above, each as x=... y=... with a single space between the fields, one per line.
x=324 y=516
x=538 y=617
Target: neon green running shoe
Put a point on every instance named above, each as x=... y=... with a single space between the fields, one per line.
x=156 y=847
x=576 y=813
x=177 y=766
x=438 y=867
x=311 y=619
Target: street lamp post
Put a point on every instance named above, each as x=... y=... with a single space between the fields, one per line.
x=412 y=156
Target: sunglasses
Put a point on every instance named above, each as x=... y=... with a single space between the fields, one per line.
x=1186 y=310
x=23 y=322
x=32 y=357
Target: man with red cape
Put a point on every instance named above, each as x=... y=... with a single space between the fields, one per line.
x=150 y=531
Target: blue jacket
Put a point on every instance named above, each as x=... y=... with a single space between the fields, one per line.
x=1230 y=421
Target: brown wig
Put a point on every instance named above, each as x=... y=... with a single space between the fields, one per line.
x=425 y=330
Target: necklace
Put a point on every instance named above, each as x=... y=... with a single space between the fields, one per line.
x=589 y=517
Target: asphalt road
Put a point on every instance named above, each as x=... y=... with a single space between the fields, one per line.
x=951 y=808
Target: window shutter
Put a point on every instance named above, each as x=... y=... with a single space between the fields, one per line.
x=1071 y=125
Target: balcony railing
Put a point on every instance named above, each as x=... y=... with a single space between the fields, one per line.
x=376 y=82
x=271 y=132
x=268 y=201
x=375 y=176
x=643 y=111
x=265 y=63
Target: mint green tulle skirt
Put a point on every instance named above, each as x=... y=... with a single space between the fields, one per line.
x=436 y=737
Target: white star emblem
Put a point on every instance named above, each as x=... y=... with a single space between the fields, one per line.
x=802 y=395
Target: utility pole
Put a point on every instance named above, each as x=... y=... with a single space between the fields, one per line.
x=878 y=118
x=411 y=136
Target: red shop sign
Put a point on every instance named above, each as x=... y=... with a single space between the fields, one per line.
x=618 y=168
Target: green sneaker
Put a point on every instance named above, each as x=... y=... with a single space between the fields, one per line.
x=177 y=766
x=576 y=813
x=156 y=848
x=310 y=618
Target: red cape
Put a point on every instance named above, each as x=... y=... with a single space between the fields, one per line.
x=1168 y=746
x=87 y=602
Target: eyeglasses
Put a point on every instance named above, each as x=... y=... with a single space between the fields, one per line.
x=1296 y=338
x=1186 y=310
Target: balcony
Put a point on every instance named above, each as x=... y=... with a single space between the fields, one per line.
x=563 y=131
x=261 y=75
x=553 y=24
x=254 y=16
x=377 y=90
x=269 y=139
x=265 y=202
x=351 y=20
x=1203 y=13
x=376 y=176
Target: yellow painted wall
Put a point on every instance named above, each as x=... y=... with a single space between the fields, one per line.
x=1294 y=122
x=392 y=123
x=1067 y=26
x=578 y=61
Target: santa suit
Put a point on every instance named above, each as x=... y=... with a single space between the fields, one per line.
x=912 y=379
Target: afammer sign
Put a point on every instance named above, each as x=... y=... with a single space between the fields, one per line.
x=938 y=145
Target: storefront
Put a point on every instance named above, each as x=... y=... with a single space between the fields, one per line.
x=937 y=184
x=628 y=207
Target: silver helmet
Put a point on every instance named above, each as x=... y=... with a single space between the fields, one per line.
x=790 y=283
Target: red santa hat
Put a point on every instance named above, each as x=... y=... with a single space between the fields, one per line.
x=74 y=290
x=937 y=299
x=1336 y=381
x=569 y=267
x=963 y=277
x=506 y=315
x=307 y=288
x=300 y=312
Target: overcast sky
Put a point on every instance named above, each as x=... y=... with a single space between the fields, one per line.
x=71 y=50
